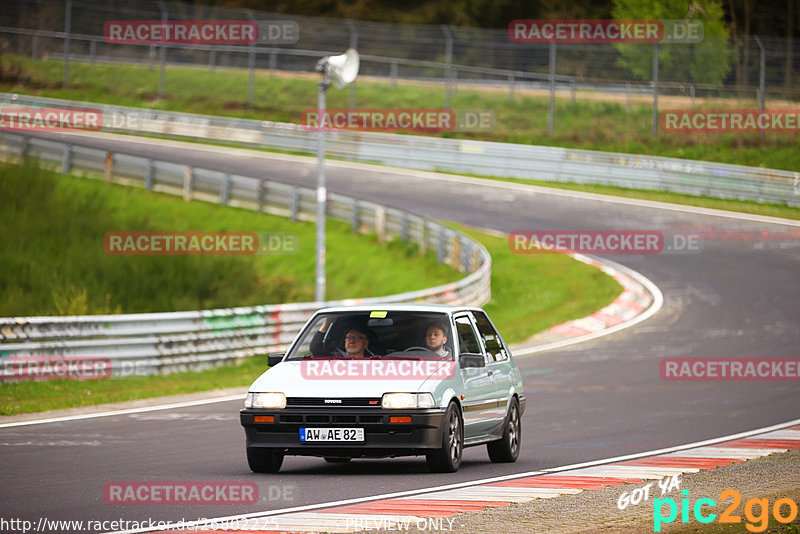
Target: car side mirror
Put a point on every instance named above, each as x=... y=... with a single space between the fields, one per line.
x=274 y=358
x=471 y=359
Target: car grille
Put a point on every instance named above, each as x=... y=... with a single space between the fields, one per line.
x=347 y=402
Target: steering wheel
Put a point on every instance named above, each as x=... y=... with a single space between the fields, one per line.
x=426 y=349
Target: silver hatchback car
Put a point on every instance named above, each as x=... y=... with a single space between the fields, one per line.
x=386 y=381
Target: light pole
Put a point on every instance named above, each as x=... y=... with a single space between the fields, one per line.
x=341 y=70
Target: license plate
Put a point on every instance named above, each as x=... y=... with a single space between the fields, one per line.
x=331 y=434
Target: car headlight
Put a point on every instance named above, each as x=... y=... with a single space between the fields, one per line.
x=271 y=401
x=407 y=400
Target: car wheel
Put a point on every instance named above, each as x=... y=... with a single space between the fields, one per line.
x=263 y=460
x=447 y=459
x=337 y=459
x=506 y=449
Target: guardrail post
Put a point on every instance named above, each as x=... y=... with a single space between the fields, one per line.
x=441 y=250
x=423 y=237
x=393 y=74
x=150 y=175
x=691 y=93
x=404 y=227
x=24 y=147
x=295 y=204
x=262 y=193
x=151 y=56
x=355 y=216
x=273 y=64
x=380 y=223
x=456 y=258
x=212 y=59
x=188 y=178
x=511 y=87
x=92 y=50
x=66 y=160
x=108 y=166
x=35 y=47
x=466 y=257
x=572 y=92
x=225 y=193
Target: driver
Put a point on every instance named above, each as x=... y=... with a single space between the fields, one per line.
x=435 y=339
x=356 y=342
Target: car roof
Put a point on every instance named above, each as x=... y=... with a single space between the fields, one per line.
x=422 y=307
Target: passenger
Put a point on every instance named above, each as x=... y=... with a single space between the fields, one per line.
x=435 y=339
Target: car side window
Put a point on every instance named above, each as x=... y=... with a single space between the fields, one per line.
x=495 y=352
x=467 y=341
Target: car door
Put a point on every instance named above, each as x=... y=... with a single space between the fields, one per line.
x=498 y=364
x=480 y=395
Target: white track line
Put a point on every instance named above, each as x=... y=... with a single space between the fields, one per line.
x=478 y=482
x=126 y=411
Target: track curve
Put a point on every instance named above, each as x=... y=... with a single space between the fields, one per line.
x=594 y=400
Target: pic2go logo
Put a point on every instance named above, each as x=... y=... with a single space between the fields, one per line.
x=756 y=523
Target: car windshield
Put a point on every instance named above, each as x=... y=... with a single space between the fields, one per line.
x=376 y=334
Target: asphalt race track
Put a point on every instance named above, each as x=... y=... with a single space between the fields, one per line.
x=593 y=400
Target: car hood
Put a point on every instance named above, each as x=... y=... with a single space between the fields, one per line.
x=293 y=380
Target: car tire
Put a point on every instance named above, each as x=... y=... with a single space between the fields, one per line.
x=447 y=459
x=506 y=449
x=337 y=459
x=263 y=460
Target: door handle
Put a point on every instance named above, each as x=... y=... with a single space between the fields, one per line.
x=490 y=372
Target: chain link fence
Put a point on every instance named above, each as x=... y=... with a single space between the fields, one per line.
x=754 y=71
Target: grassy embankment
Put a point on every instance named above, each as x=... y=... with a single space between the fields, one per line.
x=53 y=262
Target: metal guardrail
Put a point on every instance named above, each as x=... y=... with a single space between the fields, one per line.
x=461 y=156
x=166 y=342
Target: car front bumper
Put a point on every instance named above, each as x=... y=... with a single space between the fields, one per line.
x=381 y=438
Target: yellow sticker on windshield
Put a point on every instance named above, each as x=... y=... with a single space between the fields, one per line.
x=377 y=315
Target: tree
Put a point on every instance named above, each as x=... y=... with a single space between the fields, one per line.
x=706 y=62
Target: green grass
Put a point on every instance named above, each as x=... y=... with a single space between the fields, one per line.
x=590 y=123
x=53 y=262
